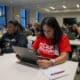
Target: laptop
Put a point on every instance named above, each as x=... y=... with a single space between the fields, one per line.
x=27 y=55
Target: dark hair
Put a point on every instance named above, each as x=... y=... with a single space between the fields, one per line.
x=52 y=22
x=16 y=24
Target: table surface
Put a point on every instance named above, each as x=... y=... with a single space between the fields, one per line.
x=75 y=42
x=10 y=69
x=32 y=38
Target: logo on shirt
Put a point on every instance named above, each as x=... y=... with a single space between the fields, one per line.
x=48 y=49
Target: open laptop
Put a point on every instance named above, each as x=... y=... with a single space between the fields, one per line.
x=27 y=55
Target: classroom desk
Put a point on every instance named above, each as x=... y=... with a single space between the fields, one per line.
x=31 y=39
x=75 y=42
x=10 y=69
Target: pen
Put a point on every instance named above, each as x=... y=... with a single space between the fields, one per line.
x=56 y=73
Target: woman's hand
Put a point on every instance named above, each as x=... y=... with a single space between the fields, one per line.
x=44 y=63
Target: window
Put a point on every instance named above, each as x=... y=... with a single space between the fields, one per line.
x=38 y=16
x=23 y=17
x=2 y=15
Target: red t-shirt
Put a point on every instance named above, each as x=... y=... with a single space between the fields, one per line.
x=46 y=47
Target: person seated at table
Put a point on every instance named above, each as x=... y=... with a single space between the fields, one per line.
x=65 y=28
x=35 y=29
x=20 y=27
x=52 y=43
x=74 y=29
x=13 y=36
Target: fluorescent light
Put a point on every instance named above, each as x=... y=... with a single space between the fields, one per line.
x=77 y=5
x=52 y=7
x=47 y=10
x=64 y=6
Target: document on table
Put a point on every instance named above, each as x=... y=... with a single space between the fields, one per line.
x=54 y=72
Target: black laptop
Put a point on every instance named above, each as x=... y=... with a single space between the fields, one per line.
x=27 y=55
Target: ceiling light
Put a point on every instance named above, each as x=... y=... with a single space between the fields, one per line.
x=77 y=5
x=52 y=7
x=64 y=6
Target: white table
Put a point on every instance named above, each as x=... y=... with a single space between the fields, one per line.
x=11 y=70
x=75 y=42
x=31 y=39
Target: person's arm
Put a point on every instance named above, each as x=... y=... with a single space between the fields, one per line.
x=61 y=59
x=64 y=48
x=78 y=30
x=44 y=63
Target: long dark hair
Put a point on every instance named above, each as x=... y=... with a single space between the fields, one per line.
x=52 y=22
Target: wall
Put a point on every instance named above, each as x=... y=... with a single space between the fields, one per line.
x=60 y=16
x=14 y=12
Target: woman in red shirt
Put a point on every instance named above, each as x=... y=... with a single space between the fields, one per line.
x=52 y=44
